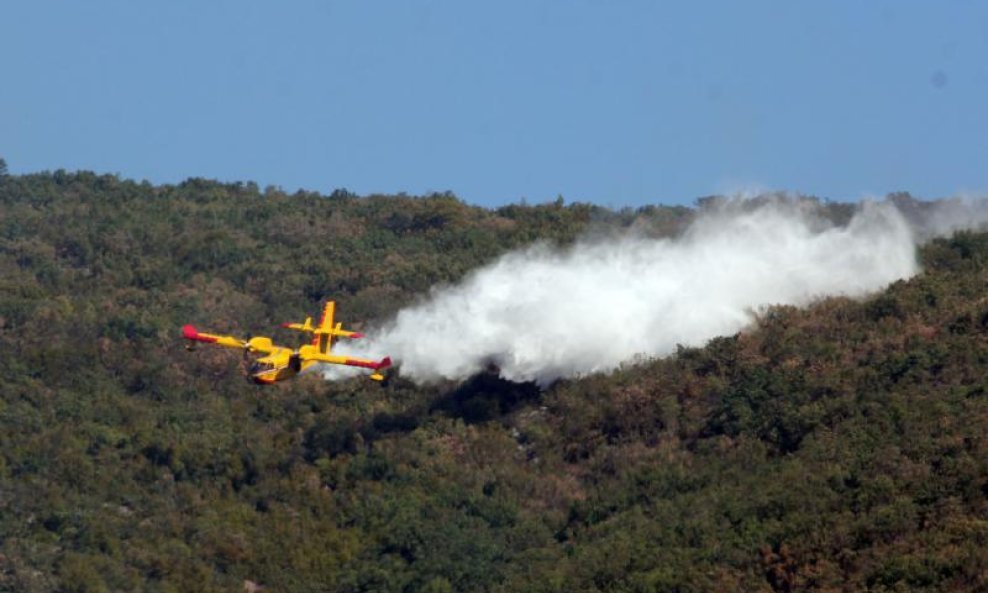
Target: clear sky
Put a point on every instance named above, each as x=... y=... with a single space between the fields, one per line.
x=620 y=103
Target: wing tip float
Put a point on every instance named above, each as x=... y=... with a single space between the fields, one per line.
x=384 y=364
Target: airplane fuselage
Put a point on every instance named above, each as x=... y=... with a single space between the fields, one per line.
x=279 y=365
x=268 y=374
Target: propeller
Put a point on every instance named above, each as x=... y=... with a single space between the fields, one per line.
x=247 y=347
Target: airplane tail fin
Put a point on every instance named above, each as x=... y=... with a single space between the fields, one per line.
x=323 y=339
x=324 y=334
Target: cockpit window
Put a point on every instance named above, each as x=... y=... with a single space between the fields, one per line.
x=260 y=367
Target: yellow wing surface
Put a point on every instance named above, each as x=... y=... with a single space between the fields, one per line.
x=259 y=344
x=310 y=353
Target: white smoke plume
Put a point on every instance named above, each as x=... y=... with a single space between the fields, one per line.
x=546 y=312
x=944 y=217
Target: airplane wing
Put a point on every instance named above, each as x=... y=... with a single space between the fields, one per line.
x=259 y=344
x=312 y=353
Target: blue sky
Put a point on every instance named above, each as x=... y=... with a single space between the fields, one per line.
x=620 y=103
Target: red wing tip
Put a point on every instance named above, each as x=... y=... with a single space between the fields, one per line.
x=286 y=324
x=356 y=335
x=189 y=332
x=385 y=363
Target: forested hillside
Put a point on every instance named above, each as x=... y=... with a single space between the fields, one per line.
x=837 y=448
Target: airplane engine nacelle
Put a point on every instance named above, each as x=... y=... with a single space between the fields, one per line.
x=260 y=343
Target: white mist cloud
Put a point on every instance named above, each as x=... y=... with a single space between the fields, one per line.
x=963 y=212
x=545 y=312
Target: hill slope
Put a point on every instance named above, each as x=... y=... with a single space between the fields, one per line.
x=840 y=447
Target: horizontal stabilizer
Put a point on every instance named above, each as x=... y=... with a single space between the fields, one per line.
x=336 y=332
x=302 y=327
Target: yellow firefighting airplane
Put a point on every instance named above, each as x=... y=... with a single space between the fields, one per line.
x=279 y=363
